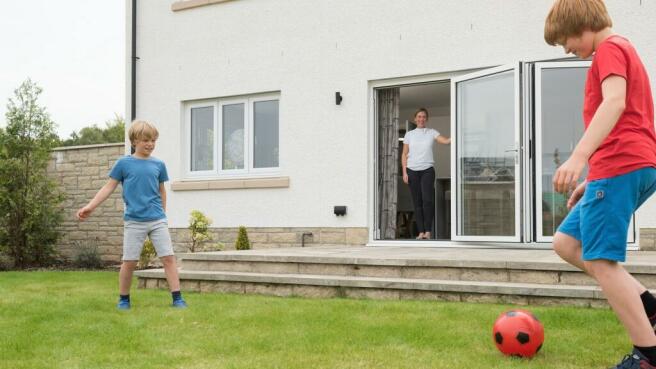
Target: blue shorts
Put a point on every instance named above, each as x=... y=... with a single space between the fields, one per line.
x=600 y=220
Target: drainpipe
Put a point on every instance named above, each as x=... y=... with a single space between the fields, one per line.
x=133 y=62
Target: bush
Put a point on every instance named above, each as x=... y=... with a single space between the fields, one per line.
x=6 y=262
x=29 y=200
x=147 y=256
x=199 y=225
x=242 y=242
x=88 y=255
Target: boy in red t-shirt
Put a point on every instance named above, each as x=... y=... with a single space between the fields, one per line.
x=619 y=146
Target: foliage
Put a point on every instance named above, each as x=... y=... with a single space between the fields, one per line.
x=114 y=132
x=6 y=262
x=88 y=255
x=148 y=254
x=29 y=200
x=242 y=242
x=199 y=226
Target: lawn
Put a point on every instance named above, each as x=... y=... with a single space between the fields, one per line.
x=68 y=320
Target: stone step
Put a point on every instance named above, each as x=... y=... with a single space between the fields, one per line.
x=327 y=286
x=497 y=271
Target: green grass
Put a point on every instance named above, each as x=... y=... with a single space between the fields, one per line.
x=68 y=320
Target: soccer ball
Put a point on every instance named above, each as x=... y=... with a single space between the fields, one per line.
x=518 y=333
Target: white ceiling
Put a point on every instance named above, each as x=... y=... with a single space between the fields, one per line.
x=427 y=95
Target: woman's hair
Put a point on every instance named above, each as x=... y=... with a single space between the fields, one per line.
x=570 y=18
x=140 y=130
x=424 y=110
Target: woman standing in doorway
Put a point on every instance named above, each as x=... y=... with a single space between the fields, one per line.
x=417 y=161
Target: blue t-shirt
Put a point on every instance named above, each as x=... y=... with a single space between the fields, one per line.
x=140 y=179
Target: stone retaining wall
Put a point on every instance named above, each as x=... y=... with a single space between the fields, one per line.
x=81 y=171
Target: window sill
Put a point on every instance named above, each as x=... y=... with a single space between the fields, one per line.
x=188 y=4
x=229 y=184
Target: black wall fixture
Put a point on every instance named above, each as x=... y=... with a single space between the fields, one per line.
x=340 y=210
x=338 y=98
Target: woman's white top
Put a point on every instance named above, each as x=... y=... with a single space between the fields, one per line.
x=420 y=143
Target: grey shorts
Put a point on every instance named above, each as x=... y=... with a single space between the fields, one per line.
x=134 y=235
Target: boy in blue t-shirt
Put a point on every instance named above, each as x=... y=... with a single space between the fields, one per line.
x=142 y=177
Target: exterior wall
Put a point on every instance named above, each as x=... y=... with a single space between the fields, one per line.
x=308 y=50
x=81 y=171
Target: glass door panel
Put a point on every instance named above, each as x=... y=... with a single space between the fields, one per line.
x=485 y=156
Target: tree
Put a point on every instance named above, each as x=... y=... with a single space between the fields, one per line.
x=114 y=131
x=29 y=200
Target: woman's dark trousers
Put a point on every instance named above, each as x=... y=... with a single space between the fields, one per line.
x=423 y=197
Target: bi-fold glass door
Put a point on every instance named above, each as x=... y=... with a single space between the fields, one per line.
x=485 y=152
x=558 y=102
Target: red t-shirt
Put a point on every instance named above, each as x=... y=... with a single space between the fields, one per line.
x=631 y=144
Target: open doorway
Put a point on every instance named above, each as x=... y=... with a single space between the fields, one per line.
x=396 y=110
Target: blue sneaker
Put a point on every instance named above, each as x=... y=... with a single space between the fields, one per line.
x=123 y=305
x=179 y=303
x=635 y=360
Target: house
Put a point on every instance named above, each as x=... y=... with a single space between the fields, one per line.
x=286 y=115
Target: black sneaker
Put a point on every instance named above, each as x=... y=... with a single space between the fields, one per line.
x=635 y=360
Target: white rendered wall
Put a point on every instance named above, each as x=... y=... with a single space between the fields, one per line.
x=307 y=50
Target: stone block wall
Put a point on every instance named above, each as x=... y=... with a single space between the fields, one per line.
x=80 y=172
x=264 y=238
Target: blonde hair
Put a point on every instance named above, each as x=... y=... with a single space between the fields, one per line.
x=140 y=130
x=570 y=18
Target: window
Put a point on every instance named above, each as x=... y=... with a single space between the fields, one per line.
x=237 y=136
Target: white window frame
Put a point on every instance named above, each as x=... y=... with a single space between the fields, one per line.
x=251 y=138
x=217 y=171
x=187 y=145
x=222 y=103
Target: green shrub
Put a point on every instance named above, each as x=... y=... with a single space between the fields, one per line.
x=6 y=262
x=242 y=242
x=88 y=255
x=147 y=256
x=30 y=201
x=199 y=225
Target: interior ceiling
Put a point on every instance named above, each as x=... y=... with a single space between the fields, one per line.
x=427 y=95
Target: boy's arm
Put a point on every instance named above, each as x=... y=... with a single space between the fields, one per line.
x=611 y=108
x=162 y=192
x=101 y=196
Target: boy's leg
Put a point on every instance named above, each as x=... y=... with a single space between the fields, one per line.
x=626 y=302
x=171 y=272
x=134 y=235
x=125 y=276
x=569 y=249
x=161 y=238
x=608 y=205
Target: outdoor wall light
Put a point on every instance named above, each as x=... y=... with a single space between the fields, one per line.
x=338 y=98
x=340 y=210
